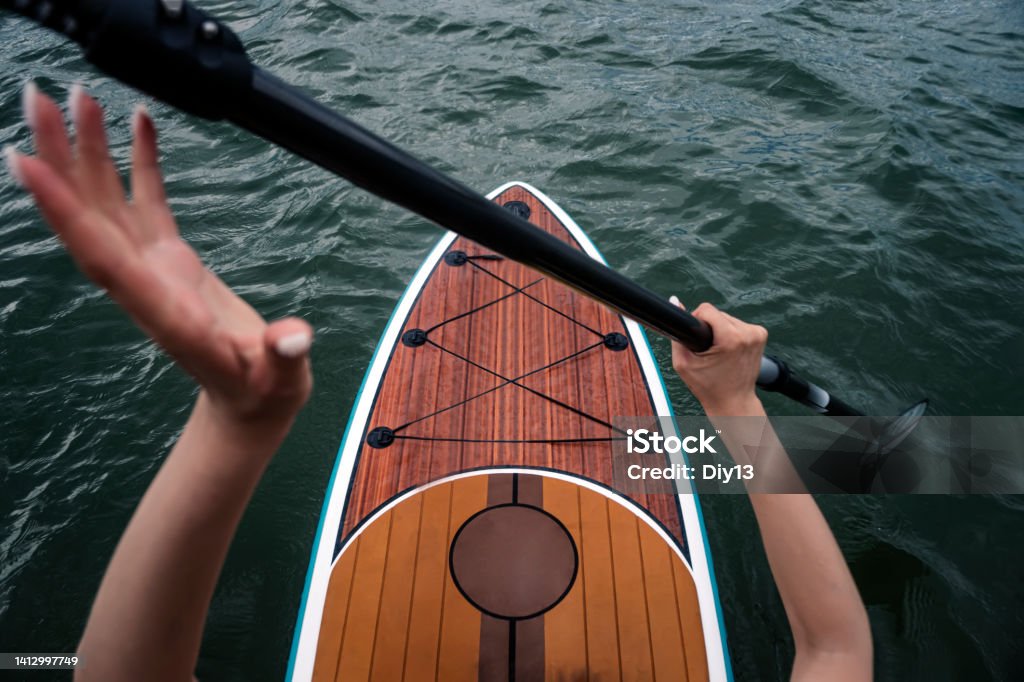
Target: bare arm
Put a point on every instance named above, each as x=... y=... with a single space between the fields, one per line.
x=147 y=620
x=829 y=622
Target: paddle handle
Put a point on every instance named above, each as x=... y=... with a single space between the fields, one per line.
x=188 y=59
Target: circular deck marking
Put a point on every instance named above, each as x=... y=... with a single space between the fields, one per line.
x=513 y=561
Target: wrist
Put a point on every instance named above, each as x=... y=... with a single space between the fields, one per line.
x=256 y=435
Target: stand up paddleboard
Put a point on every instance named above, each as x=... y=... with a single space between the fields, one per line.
x=472 y=529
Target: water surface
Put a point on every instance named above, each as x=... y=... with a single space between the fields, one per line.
x=847 y=174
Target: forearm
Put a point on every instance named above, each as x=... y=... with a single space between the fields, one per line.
x=821 y=599
x=147 y=620
x=829 y=623
x=825 y=610
x=148 y=617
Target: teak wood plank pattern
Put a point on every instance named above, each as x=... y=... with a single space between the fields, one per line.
x=629 y=611
x=450 y=399
x=396 y=592
x=566 y=640
x=420 y=657
x=458 y=648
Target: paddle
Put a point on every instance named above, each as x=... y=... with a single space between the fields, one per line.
x=186 y=58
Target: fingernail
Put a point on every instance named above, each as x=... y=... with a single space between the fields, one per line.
x=74 y=97
x=138 y=113
x=28 y=103
x=674 y=300
x=294 y=345
x=13 y=160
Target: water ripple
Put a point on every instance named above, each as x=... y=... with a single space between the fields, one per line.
x=847 y=174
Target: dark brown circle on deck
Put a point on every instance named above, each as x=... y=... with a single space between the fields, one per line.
x=513 y=561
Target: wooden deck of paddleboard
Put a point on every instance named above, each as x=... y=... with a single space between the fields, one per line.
x=505 y=340
x=627 y=609
x=448 y=568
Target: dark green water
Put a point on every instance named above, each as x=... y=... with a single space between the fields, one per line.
x=848 y=174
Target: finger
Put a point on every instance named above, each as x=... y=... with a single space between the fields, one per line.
x=753 y=335
x=106 y=256
x=288 y=342
x=46 y=122
x=95 y=173
x=724 y=330
x=97 y=246
x=681 y=355
x=147 y=183
x=735 y=321
x=745 y=332
x=13 y=160
x=707 y=312
x=148 y=195
x=715 y=318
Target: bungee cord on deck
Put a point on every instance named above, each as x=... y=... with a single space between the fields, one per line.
x=384 y=436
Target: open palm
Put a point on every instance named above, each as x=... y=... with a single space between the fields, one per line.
x=134 y=251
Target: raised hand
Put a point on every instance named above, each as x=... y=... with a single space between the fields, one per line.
x=251 y=371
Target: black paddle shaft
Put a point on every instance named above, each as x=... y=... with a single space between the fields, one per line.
x=188 y=59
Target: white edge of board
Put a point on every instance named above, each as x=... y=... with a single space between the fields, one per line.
x=303 y=653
